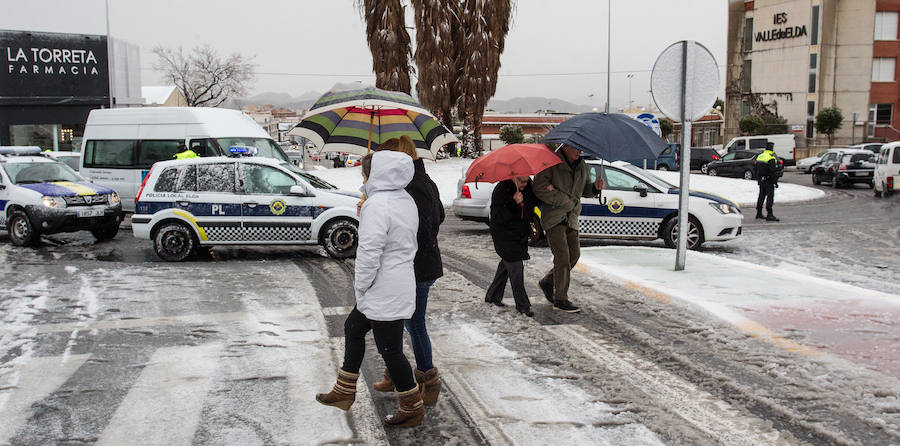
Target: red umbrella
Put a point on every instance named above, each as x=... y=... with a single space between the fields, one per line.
x=514 y=160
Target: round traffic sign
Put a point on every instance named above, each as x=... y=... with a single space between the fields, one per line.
x=697 y=75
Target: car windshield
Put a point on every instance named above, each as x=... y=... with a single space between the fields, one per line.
x=648 y=174
x=46 y=172
x=313 y=180
x=71 y=161
x=267 y=148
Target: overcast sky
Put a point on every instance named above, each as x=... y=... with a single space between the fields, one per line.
x=321 y=42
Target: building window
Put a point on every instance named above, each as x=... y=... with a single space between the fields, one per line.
x=746 y=75
x=813 y=59
x=745 y=107
x=886 y=25
x=748 y=34
x=810 y=108
x=812 y=82
x=813 y=62
x=814 y=26
x=883 y=69
x=881 y=113
x=810 y=125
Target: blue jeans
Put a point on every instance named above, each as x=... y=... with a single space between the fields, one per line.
x=418 y=334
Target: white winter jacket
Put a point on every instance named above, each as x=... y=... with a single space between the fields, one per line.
x=385 y=282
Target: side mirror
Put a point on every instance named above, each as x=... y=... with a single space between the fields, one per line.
x=642 y=188
x=301 y=191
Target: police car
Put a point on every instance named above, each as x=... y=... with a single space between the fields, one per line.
x=637 y=205
x=241 y=200
x=40 y=195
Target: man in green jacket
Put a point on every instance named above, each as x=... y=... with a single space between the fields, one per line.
x=560 y=188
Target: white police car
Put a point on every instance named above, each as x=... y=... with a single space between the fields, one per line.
x=40 y=195
x=635 y=205
x=244 y=200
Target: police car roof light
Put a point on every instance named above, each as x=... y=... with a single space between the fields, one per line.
x=243 y=151
x=20 y=150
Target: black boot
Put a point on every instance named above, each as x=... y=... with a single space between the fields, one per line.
x=547 y=288
x=771 y=217
x=759 y=215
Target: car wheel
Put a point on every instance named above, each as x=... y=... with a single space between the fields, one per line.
x=340 y=238
x=105 y=232
x=694 y=237
x=21 y=232
x=174 y=242
x=704 y=168
x=815 y=179
x=748 y=175
x=712 y=172
x=662 y=167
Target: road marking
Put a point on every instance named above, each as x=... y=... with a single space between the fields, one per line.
x=190 y=319
x=163 y=406
x=29 y=383
x=703 y=410
x=514 y=401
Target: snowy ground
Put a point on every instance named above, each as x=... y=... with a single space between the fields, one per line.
x=446 y=173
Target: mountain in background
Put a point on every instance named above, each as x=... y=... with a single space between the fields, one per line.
x=533 y=104
x=514 y=105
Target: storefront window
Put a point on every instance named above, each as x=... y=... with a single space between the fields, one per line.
x=57 y=137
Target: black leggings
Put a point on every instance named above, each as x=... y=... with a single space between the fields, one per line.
x=388 y=339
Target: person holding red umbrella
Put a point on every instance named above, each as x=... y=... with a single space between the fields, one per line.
x=512 y=210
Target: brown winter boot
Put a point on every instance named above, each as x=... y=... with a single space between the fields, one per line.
x=343 y=394
x=385 y=385
x=410 y=412
x=431 y=384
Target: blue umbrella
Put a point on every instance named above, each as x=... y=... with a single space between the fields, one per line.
x=611 y=137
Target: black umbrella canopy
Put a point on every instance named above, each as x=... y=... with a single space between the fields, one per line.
x=610 y=136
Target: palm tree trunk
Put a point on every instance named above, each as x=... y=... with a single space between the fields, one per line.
x=389 y=43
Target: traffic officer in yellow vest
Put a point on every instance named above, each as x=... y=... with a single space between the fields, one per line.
x=184 y=152
x=767 y=173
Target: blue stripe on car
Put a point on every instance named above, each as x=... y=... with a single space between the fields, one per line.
x=597 y=210
x=227 y=209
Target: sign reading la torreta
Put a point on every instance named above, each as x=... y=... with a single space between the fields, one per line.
x=54 y=67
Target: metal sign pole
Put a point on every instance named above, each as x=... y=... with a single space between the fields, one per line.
x=685 y=168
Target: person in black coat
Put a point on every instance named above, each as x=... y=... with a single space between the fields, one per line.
x=512 y=210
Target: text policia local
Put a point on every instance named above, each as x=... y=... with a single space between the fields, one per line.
x=39 y=60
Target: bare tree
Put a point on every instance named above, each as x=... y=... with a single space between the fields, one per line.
x=389 y=43
x=205 y=78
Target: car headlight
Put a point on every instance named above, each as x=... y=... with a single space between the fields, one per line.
x=725 y=208
x=113 y=199
x=53 y=202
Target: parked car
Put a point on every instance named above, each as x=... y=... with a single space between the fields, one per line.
x=874 y=147
x=187 y=203
x=784 y=145
x=806 y=165
x=887 y=170
x=667 y=159
x=41 y=195
x=845 y=167
x=120 y=144
x=636 y=205
x=473 y=200
x=71 y=159
x=738 y=164
x=354 y=160
x=701 y=157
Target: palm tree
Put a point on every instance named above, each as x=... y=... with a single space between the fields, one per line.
x=437 y=33
x=389 y=43
x=486 y=24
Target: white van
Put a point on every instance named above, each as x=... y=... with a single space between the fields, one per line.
x=784 y=145
x=887 y=170
x=121 y=144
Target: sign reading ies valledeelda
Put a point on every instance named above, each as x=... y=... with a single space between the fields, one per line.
x=41 y=68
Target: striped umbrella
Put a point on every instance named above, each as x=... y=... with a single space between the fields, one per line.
x=355 y=119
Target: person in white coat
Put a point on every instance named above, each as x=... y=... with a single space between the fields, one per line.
x=384 y=284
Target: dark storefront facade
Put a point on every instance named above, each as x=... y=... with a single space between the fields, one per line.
x=49 y=82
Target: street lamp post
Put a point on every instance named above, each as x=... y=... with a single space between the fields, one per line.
x=629 y=76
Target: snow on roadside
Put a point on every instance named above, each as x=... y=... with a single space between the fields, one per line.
x=446 y=174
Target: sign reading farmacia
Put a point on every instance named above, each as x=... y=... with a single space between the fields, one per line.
x=51 y=61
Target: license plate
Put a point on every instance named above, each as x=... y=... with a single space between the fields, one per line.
x=861 y=174
x=90 y=213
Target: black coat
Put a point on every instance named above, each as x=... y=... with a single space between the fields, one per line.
x=511 y=222
x=424 y=192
